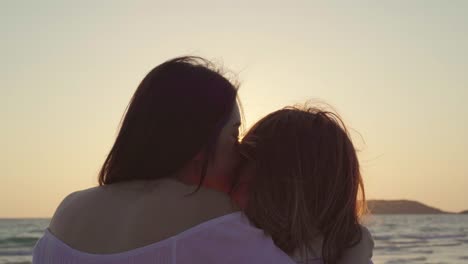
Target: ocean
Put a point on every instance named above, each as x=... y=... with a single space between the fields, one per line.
x=398 y=239
x=18 y=237
x=420 y=238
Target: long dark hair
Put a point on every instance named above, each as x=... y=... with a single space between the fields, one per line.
x=177 y=111
x=306 y=181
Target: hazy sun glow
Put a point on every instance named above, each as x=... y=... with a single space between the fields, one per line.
x=395 y=71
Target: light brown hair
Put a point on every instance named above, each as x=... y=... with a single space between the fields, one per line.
x=306 y=181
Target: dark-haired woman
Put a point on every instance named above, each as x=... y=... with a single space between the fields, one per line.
x=182 y=121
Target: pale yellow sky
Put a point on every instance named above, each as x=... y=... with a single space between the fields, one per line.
x=396 y=72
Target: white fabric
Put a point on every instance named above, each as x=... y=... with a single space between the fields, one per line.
x=226 y=239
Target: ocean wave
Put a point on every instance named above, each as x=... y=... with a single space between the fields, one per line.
x=422 y=251
x=15 y=253
x=465 y=241
x=430 y=229
x=406 y=260
x=18 y=241
x=18 y=262
x=408 y=242
x=409 y=246
x=383 y=237
x=454 y=244
x=432 y=236
x=387 y=248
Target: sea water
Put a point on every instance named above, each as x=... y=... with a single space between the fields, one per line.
x=419 y=238
x=398 y=238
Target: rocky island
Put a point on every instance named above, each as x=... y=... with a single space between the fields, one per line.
x=402 y=207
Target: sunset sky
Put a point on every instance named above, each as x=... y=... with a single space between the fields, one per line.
x=396 y=71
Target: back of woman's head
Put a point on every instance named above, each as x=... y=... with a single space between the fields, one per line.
x=177 y=111
x=305 y=182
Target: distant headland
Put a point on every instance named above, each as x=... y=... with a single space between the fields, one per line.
x=403 y=207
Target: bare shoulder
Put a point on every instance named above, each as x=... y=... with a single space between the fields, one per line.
x=92 y=220
x=367 y=236
x=361 y=252
x=219 y=203
x=367 y=242
x=67 y=209
x=194 y=206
